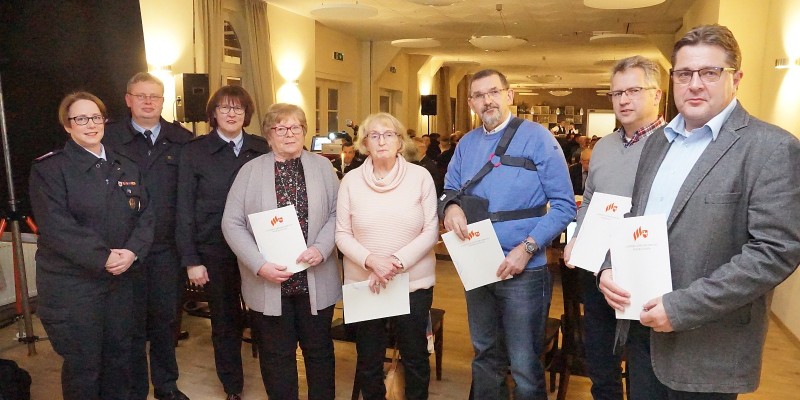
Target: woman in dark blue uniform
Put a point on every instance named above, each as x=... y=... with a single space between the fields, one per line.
x=206 y=171
x=93 y=225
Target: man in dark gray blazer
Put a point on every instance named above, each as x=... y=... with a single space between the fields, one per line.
x=729 y=186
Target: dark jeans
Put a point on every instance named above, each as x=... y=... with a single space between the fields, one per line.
x=506 y=324
x=644 y=383
x=88 y=326
x=158 y=285
x=277 y=339
x=227 y=320
x=599 y=322
x=410 y=332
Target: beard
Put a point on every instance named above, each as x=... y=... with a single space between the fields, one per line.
x=492 y=119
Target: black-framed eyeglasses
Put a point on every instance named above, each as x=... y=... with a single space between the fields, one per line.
x=632 y=93
x=707 y=75
x=238 y=110
x=493 y=94
x=284 y=130
x=388 y=135
x=150 y=97
x=83 y=120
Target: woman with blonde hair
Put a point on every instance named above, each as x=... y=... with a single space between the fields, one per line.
x=386 y=224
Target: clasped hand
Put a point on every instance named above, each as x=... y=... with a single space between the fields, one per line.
x=383 y=267
x=119 y=261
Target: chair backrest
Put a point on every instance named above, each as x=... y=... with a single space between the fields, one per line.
x=572 y=320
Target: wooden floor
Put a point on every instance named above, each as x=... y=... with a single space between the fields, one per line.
x=780 y=376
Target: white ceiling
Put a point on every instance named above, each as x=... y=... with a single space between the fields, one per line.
x=557 y=31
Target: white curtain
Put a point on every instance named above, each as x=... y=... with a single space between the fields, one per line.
x=211 y=32
x=258 y=56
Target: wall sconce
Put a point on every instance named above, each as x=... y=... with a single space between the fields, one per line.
x=787 y=63
x=558 y=111
x=580 y=112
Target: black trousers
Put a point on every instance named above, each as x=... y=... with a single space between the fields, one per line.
x=410 y=331
x=600 y=322
x=277 y=345
x=227 y=320
x=644 y=383
x=88 y=325
x=158 y=286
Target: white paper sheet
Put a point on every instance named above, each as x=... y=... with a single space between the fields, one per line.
x=477 y=258
x=594 y=238
x=640 y=261
x=279 y=237
x=360 y=304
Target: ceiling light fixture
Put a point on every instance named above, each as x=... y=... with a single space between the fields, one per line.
x=497 y=42
x=421 y=43
x=544 y=78
x=344 y=11
x=620 y=5
x=560 y=93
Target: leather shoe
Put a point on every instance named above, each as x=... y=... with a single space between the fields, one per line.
x=234 y=397
x=173 y=395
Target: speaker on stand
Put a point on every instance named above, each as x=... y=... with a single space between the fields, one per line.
x=428 y=106
x=191 y=96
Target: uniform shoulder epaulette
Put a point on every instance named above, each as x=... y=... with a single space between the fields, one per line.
x=46 y=156
x=259 y=137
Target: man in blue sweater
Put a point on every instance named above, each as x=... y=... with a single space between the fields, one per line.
x=506 y=319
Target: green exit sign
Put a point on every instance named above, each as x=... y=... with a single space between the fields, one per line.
x=338 y=56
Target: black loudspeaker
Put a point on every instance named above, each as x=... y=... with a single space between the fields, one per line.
x=191 y=96
x=428 y=104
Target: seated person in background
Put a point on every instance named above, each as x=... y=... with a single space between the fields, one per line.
x=350 y=160
x=423 y=160
x=448 y=146
x=579 y=171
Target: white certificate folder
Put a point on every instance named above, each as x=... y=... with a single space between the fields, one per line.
x=594 y=238
x=478 y=257
x=279 y=237
x=640 y=261
x=360 y=304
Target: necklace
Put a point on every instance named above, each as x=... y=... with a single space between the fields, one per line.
x=287 y=168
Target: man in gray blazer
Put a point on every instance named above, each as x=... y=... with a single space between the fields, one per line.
x=729 y=185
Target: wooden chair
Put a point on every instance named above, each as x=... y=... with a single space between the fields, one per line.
x=346 y=333
x=570 y=358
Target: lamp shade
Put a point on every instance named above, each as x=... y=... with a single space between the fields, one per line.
x=497 y=42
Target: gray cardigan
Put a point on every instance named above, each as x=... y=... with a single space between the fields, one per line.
x=254 y=191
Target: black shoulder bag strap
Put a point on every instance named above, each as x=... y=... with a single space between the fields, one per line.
x=499 y=152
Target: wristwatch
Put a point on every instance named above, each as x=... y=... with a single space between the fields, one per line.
x=530 y=246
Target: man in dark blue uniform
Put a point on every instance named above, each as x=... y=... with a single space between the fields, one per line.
x=155 y=146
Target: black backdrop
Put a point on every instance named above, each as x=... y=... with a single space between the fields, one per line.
x=49 y=48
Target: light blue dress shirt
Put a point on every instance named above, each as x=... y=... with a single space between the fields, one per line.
x=237 y=141
x=685 y=149
x=155 y=130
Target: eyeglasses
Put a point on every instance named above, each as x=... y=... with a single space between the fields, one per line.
x=284 y=130
x=151 y=97
x=494 y=94
x=238 y=110
x=388 y=135
x=632 y=93
x=83 y=120
x=707 y=75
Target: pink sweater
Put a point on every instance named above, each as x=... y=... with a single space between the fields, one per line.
x=393 y=216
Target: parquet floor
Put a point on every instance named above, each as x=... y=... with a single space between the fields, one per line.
x=780 y=377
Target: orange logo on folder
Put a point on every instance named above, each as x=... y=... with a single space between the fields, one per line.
x=276 y=220
x=639 y=233
x=473 y=234
x=611 y=207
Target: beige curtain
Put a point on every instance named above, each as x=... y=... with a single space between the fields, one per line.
x=211 y=27
x=259 y=62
